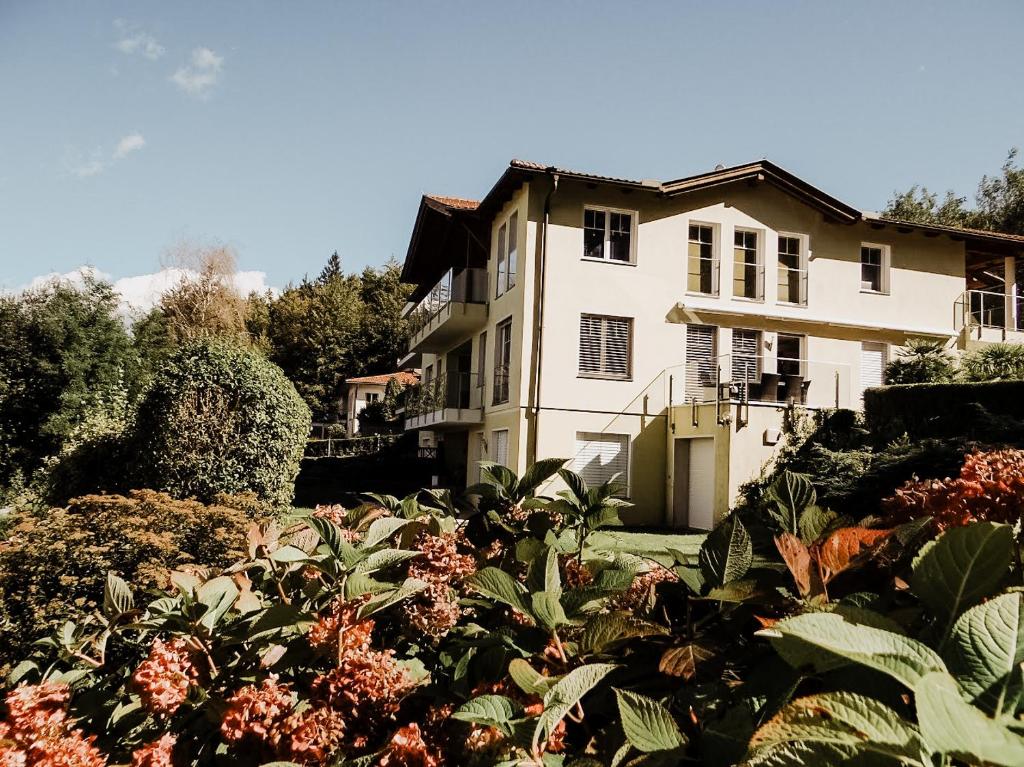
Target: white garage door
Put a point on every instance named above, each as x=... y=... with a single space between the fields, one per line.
x=700 y=484
x=872 y=364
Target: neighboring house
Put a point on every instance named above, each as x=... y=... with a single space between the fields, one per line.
x=660 y=330
x=360 y=392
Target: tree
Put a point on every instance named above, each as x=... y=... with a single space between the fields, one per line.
x=64 y=353
x=999 y=203
x=205 y=303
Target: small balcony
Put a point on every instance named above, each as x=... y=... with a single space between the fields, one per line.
x=455 y=307
x=988 y=316
x=448 y=401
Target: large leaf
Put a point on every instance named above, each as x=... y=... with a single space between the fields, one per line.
x=648 y=725
x=685 y=661
x=828 y=640
x=953 y=727
x=841 y=719
x=499 y=585
x=801 y=566
x=489 y=710
x=217 y=595
x=547 y=609
x=986 y=652
x=380 y=560
x=382 y=529
x=726 y=553
x=565 y=694
x=844 y=547
x=789 y=495
x=537 y=474
x=607 y=629
x=529 y=680
x=117 y=596
x=813 y=523
x=962 y=567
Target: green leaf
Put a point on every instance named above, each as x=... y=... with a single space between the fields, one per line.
x=841 y=719
x=790 y=494
x=288 y=554
x=489 y=710
x=217 y=594
x=380 y=560
x=537 y=474
x=726 y=553
x=359 y=583
x=577 y=487
x=955 y=728
x=529 y=680
x=565 y=694
x=381 y=529
x=117 y=596
x=552 y=576
x=648 y=725
x=814 y=522
x=386 y=599
x=961 y=567
x=331 y=534
x=548 y=609
x=499 y=585
x=606 y=629
x=829 y=640
x=987 y=650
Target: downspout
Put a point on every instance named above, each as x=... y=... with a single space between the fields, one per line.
x=539 y=341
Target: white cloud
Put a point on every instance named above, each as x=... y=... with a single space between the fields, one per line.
x=133 y=40
x=86 y=168
x=142 y=292
x=130 y=143
x=198 y=77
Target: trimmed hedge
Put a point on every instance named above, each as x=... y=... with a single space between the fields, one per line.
x=988 y=411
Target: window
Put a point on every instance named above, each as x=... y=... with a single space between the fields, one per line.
x=605 y=346
x=510 y=261
x=874 y=268
x=502 y=358
x=481 y=359
x=502 y=267
x=428 y=374
x=701 y=369
x=746 y=269
x=790 y=357
x=499 y=446
x=792 y=270
x=600 y=457
x=702 y=263
x=372 y=397
x=872 y=364
x=608 y=235
x=745 y=359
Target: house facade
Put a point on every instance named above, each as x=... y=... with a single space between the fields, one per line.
x=661 y=330
x=364 y=390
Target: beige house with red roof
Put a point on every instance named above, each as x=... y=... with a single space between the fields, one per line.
x=661 y=330
x=360 y=392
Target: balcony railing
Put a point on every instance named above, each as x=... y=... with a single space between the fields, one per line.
x=976 y=310
x=449 y=398
x=460 y=285
x=751 y=378
x=792 y=285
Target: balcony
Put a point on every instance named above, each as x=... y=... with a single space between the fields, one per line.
x=450 y=400
x=455 y=307
x=986 y=316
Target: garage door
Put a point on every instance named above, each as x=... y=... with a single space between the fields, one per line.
x=700 y=486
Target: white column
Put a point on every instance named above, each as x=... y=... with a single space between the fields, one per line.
x=1010 y=288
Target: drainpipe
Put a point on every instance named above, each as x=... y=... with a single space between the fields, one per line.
x=539 y=341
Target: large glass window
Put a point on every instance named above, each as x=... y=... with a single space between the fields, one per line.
x=792 y=270
x=746 y=270
x=701 y=260
x=608 y=235
x=502 y=358
x=790 y=354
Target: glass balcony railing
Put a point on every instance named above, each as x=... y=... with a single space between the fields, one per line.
x=460 y=285
x=988 y=309
x=449 y=391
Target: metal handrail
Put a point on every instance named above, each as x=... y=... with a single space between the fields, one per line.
x=459 y=284
x=987 y=309
x=450 y=390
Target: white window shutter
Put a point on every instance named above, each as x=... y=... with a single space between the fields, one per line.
x=500 y=446
x=599 y=457
x=616 y=361
x=700 y=360
x=872 y=364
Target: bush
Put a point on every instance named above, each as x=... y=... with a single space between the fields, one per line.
x=921 y=361
x=994 y=362
x=219 y=418
x=53 y=566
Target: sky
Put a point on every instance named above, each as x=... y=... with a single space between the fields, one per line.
x=289 y=131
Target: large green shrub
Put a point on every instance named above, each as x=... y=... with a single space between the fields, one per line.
x=219 y=418
x=921 y=361
x=54 y=564
x=994 y=362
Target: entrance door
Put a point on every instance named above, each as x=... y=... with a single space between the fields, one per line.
x=694 y=496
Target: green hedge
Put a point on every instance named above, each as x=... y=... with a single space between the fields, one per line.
x=992 y=411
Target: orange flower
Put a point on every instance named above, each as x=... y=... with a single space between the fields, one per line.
x=408 y=749
x=341 y=624
x=163 y=679
x=254 y=715
x=37 y=731
x=155 y=754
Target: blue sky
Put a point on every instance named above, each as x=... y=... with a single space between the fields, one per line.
x=290 y=130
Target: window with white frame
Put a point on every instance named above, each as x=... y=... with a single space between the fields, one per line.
x=790 y=360
x=499 y=446
x=601 y=457
x=513 y=252
x=372 y=397
x=746 y=268
x=874 y=268
x=608 y=234
x=502 y=281
x=502 y=360
x=605 y=346
x=792 y=270
x=701 y=365
x=746 y=367
x=702 y=260
x=873 y=357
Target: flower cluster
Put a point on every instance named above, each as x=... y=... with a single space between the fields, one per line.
x=435 y=610
x=639 y=595
x=159 y=753
x=37 y=730
x=340 y=631
x=990 y=488
x=163 y=679
x=408 y=749
x=574 y=573
x=337 y=514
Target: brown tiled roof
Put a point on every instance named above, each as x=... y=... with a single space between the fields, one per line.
x=986 y=234
x=459 y=203
x=404 y=376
